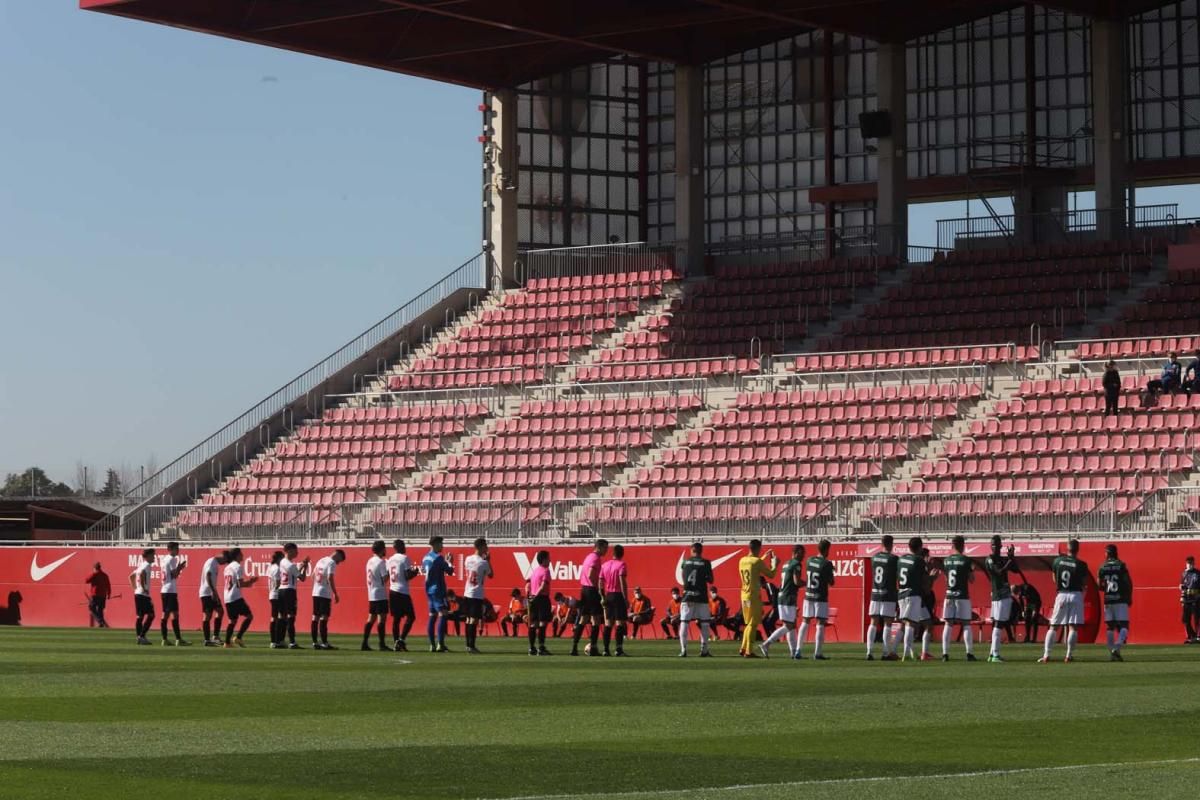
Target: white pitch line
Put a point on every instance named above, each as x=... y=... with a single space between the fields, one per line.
x=987 y=773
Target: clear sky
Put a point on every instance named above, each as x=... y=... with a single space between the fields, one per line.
x=186 y=223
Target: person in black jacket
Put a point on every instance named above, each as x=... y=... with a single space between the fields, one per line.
x=1112 y=388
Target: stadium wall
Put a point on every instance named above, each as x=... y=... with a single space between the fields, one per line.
x=50 y=585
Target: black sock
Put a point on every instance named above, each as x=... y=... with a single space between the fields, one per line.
x=137 y=627
x=163 y=626
x=229 y=630
x=325 y=631
x=542 y=638
x=207 y=629
x=532 y=638
x=595 y=635
x=620 y=638
x=367 y=633
x=408 y=623
x=576 y=636
x=608 y=632
x=217 y=621
x=471 y=628
x=245 y=626
x=316 y=627
x=175 y=627
x=382 y=626
x=291 y=629
x=396 y=628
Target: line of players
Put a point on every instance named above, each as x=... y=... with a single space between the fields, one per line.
x=901 y=588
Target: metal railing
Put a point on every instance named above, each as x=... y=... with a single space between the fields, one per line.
x=808 y=245
x=846 y=517
x=1006 y=230
x=602 y=259
x=962 y=374
x=922 y=254
x=1176 y=343
x=469 y=275
x=879 y=359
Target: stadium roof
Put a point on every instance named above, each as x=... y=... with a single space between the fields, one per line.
x=496 y=43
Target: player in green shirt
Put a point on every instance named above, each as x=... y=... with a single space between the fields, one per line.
x=956 y=606
x=1117 y=587
x=998 y=565
x=911 y=576
x=1070 y=576
x=883 y=600
x=791 y=581
x=697 y=574
x=820 y=576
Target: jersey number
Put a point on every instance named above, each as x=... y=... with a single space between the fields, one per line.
x=814 y=581
x=904 y=577
x=1064 y=578
x=951 y=579
x=1112 y=585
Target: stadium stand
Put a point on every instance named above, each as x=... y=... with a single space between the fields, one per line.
x=967 y=298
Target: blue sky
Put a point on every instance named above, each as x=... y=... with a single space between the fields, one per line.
x=186 y=223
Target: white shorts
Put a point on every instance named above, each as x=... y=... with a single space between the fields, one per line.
x=1001 y=611
x=787 y=613
x=694 y=611
x=956 y=610
x=1068 y=609
x=1117 y=612
x=882 y=608
x=814 y=609
x=913 y=610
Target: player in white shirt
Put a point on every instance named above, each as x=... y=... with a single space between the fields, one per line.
x=210 y=598
x=171 y=567
x=477 y=569
x=143 y=606
x=290 y=576
x=273 y=574
x=324 y=595
x=235 y=605
x=377 y=595
x=400 y=571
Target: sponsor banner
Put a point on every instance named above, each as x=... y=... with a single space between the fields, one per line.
x=45 y=586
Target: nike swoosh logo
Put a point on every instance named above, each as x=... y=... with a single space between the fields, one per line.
x=37 y=572
x=716 y=563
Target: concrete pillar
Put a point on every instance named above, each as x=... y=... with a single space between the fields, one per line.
x=891 y=208
x=1039 y=212
x=689 y=168
x=1109 y=128
x=501 y=189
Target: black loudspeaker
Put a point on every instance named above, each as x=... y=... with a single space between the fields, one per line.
x=875 y=124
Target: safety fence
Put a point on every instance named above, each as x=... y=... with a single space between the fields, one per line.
x=840 y=517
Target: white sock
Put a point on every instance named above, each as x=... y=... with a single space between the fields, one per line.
x=791 y=641
x=968 y=639
x=1108 y=638
x=1122 y=637
x=891 y=637
x=945 y=639
x=1072 y=638
x=776 y=635
x=1049 y=643
x=908 y=640
x=820 y=643
x=703 y=637
x=871 y=638
x=683 y=636
x=926 y=635
x=802 y=636
x=995 y=642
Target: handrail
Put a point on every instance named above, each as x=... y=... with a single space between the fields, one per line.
x=467 y=275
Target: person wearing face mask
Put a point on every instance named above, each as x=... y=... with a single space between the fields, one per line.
x=1189 y=597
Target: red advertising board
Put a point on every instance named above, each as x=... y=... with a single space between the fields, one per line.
x=45 y=585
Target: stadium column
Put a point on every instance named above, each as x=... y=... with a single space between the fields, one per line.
x=891 y=207
x=502 y=186
x=689 y=168
x=1109 y=128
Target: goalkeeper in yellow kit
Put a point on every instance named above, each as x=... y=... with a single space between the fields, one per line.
x=752 y=569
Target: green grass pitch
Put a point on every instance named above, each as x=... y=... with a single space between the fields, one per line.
x=85 y=714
